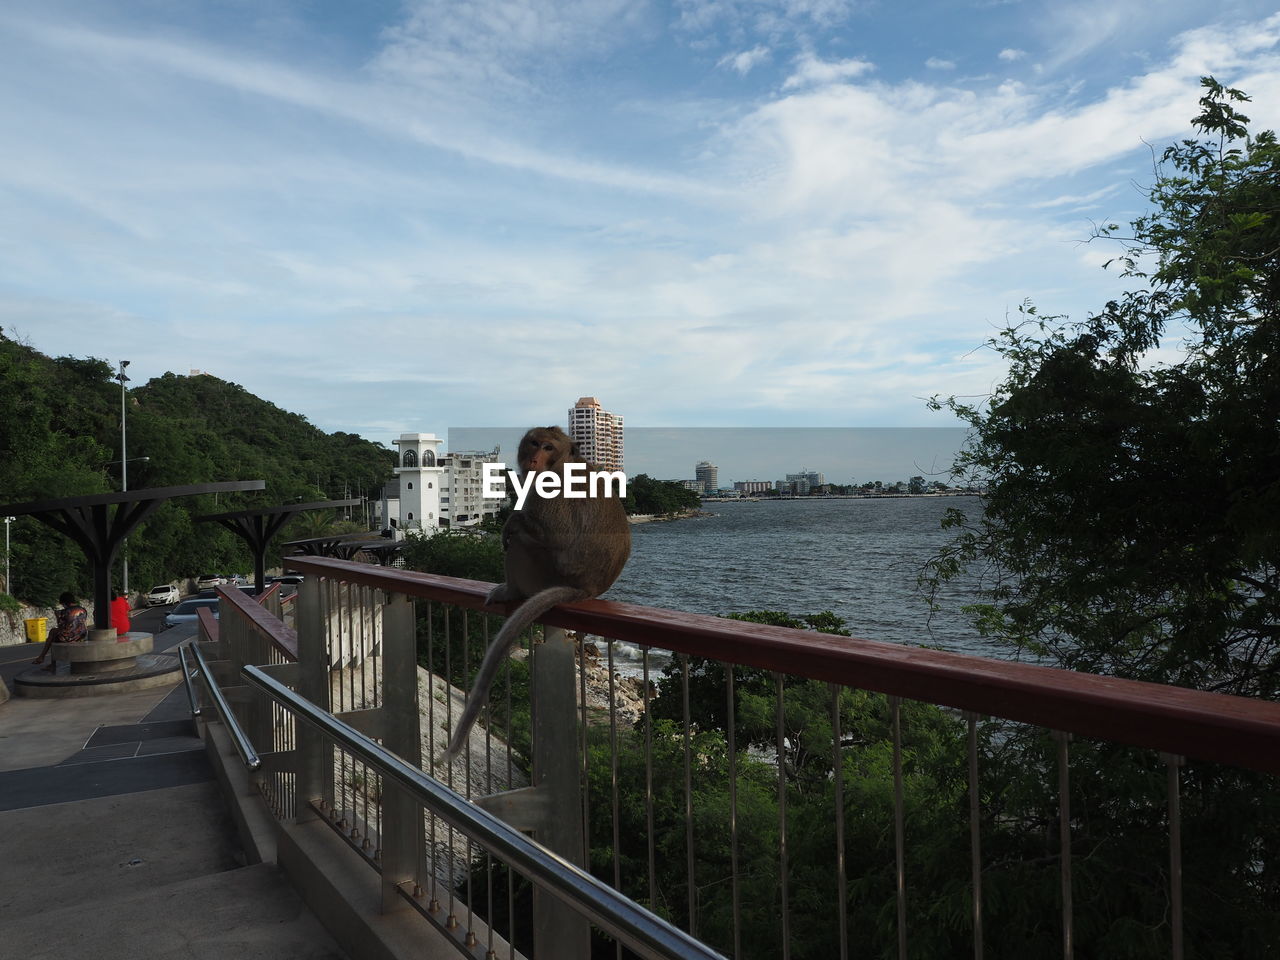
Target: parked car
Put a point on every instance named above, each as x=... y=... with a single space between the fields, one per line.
x=207 y=580
x=246 y=588
x=286 y=578
x=187 y=611
x=163 y=595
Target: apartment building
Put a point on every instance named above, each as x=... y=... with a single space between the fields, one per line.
x=597 y=432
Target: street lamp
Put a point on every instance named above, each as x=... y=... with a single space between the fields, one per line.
x=8 y=585
x=124 y=465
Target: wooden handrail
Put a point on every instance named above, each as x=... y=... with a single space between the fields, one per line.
x=280 y=636
x=1209 y=726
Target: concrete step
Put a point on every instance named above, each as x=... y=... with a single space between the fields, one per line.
x=250 y=913
x=150 y=874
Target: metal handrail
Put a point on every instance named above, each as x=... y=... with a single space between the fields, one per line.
x=642 y=931
x=243 y=747
x=186 y=679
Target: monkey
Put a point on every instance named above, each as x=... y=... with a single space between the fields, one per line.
x=556 y=550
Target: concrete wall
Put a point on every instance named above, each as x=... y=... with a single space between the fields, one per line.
x=13 y=630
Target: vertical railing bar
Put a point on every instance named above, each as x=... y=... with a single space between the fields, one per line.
x=975 y=834
x=613 y=772
x=783 y=865
x=1174 y=762
x=837 y=767
x=688 y=802
x=349 y=633
x=331 y=788
x=466 y=667
x=358 y=617
x=511 y=880
x=451 y=919
x=731 y=718
x=355 y=602
x=433 y=903
x=899 y=827
x=369 y=825
x=1064 y=840
x=489 y=788
x=528 y=641
x=346 y=686
x=648 y=788
x=582 y=746
x=373 y=601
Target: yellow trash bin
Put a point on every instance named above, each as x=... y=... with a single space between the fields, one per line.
x=37 y=629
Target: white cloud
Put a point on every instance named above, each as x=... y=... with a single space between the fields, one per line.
x=468 y=48
x=381 y=107
x=1011 y=54
x=769 y=18
x=831 y=249
x=743 y=62
x=937 y=63
x=811 y=71
x=1077 y=200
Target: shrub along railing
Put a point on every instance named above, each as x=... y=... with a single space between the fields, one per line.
x=782 y=793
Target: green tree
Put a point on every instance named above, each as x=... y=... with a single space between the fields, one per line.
x=1132 y=520
x=60 y=437
x=646 y=495
x=1130 y=527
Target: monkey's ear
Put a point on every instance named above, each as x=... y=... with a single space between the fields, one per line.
x=574 y=450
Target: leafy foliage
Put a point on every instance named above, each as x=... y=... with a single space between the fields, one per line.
x=646 y=495
x=1130 y=527
x=1132 y=521
x=60 y=437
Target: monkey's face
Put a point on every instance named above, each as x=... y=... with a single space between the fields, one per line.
x=544 y=450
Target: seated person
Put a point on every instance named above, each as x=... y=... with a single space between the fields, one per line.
x=120 y=613
x=72 y=626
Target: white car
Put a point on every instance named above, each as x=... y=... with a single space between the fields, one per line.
x=207 y=580
x=163 y=595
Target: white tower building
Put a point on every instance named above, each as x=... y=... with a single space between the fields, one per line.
x=420 y=475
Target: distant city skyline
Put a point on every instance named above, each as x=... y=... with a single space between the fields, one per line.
x=844 y=454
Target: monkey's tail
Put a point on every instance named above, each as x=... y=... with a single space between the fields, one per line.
x=529 y=611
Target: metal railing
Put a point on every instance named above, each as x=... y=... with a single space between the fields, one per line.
x=667 y=797
x=602 y=905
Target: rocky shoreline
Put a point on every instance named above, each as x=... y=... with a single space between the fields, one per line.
x=668 y=517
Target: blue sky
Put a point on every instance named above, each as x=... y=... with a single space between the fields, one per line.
x=412 y=216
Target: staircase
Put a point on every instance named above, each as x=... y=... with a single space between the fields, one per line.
x=116 y=842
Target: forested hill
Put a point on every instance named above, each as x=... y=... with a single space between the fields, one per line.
x=60 y=437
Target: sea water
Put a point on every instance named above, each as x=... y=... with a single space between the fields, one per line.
x=858 y=558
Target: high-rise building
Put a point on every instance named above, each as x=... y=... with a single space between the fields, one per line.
x=597 y=432
x=708 y=475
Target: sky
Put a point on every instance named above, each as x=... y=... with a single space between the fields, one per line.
x=413 y=216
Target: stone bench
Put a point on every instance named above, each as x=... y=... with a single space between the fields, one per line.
x=103 y=652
